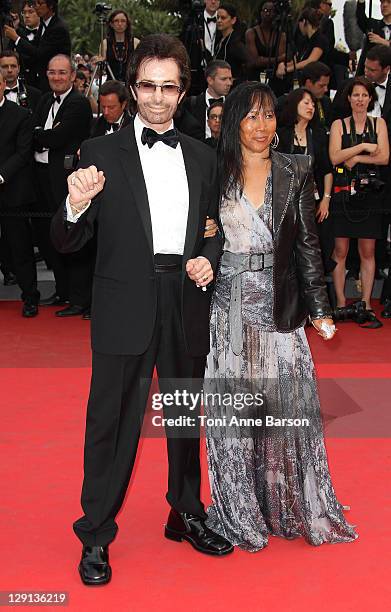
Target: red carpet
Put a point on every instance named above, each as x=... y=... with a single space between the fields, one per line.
x=44 y=380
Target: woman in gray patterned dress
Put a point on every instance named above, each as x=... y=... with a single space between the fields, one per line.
x=268 y=474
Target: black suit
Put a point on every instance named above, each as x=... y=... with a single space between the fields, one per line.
x=51 y=40
x=100 y=125
x=366 y=25
x=71 y=126
x=17 y=194
x=139 y=318
x=196 y=105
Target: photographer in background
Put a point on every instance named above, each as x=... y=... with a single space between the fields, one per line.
x=17 y=91
x=358 y=145
x=119 y=44
x=52 y=39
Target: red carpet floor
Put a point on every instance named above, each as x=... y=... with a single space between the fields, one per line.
x=44 y=379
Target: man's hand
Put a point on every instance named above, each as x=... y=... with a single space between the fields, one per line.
x=200 y=271
x=211 y=228
x=376 y=39
x=84 y=185
x=10 y=33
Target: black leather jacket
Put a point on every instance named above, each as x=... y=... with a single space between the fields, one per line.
x=299 y=285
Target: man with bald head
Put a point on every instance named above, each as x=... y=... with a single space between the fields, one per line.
x=62 y=121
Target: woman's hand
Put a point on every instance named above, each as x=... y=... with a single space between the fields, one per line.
x=370 y=147
x=325 y=328
x=323 y=210
x=280 y=72
x=211 y=228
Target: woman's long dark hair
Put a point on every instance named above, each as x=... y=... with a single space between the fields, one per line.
x=289 y=114
x=237 y=105
x=128 y=32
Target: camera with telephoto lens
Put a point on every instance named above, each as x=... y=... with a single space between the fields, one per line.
x=355 y=312
x=282 y=6
x=101 y=8
x=368 y=181
x=70 y=162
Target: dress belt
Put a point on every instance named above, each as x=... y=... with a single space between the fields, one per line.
x=241 y=262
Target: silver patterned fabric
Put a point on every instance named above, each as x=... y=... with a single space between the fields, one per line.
x=265 y=480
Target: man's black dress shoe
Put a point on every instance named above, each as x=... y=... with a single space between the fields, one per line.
x=183 y=526
x=53 y=300
x=29 y=310
x=87 y=314
x=386 y=313
x=94 y=568
x=70 y=311
x=9 y=279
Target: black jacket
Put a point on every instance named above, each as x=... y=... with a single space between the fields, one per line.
x=71 y=126
x=299 y=285
x=366 y=25
x=124 y=294
x=36 y=55
x=15 y=155
x=317 y=147
x=100 y=125
x=196 y=105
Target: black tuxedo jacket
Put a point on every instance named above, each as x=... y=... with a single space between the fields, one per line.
x=33 y=97
x=70 y=127
x=15 y=155
x=124 y=294
x=100 y=125
x=36 y=55
x=196 y=105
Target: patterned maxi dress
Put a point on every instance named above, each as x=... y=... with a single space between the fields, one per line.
x=265 y=480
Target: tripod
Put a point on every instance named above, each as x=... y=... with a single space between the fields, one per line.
x=285 y=24
x=194 y=42
x=102 y=67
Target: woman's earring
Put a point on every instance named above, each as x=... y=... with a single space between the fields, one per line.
x=275 y=141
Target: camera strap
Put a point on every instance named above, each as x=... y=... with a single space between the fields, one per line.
x=368 y=129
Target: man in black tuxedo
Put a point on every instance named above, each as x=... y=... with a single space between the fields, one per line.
x=378 y=31
x=17 y=91
x=377 y=69
x=16 y=193
x=114 y=102
x=53 y=39
x=62 y=121
x=218 y=76
x=152 y=189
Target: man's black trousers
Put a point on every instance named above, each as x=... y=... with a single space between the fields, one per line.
x=118 y=396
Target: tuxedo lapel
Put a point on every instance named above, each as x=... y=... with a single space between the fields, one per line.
x=131 y=165
x=193 y=173
x=282 y=182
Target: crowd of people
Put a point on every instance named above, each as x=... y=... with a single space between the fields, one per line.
x=52 y=101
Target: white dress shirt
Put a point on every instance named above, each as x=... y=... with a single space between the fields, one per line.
x=12 y=96
x=210 y=33
x=168 y=193
x=43 y=157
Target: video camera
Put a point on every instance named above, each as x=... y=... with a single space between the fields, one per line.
x=368 y=181
x=102 y=9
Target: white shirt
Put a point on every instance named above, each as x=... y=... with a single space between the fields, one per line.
x=110 y=130
x=168 y=193
x=208 y=97
x=381 y=96
x=43 y=157
x=210 y=33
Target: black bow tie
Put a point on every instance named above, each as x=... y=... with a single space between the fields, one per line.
x=169 y=138
x=57 y=99
x=11 y=89
x=215 y=100
x=380 y=86
x=32 y=30
x=211 y=20
x=113 y=126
